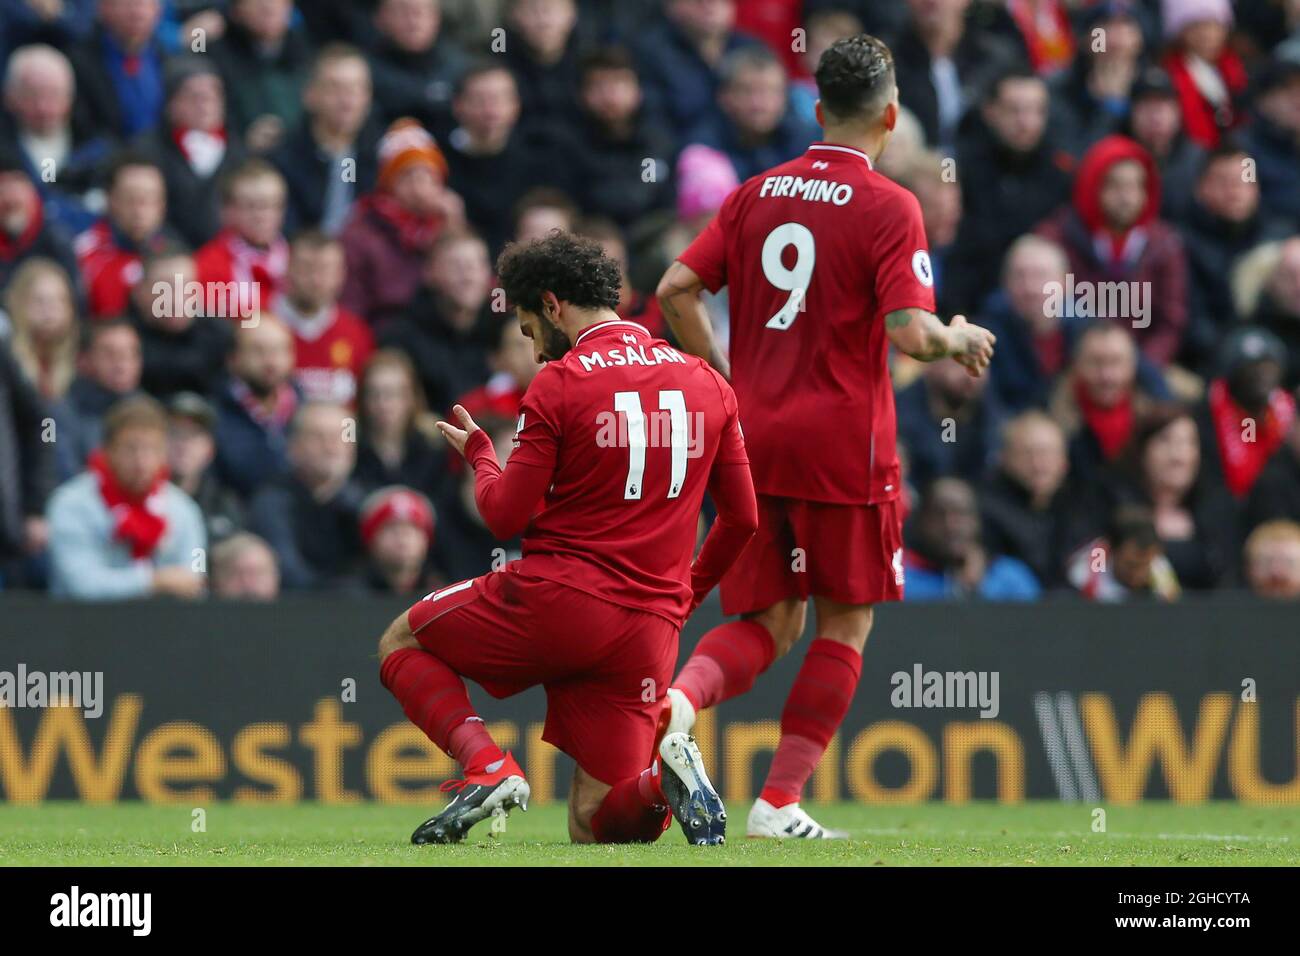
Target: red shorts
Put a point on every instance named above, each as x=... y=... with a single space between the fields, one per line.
x=604 y=666
x=847 y=553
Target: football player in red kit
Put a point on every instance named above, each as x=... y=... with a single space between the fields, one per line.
x=826 y=263
x=619 y=436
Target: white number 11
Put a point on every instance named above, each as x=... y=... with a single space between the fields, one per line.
x=674 y=403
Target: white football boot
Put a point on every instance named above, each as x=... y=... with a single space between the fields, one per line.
x=786 y=823
x=681 y=715
x=690 y=794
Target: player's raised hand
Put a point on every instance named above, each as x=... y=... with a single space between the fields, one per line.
x=972 y=345
x=457 y=437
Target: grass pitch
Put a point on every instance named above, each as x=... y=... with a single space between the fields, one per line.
x=1029 y=834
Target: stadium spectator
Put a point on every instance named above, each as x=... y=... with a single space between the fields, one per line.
x=256 y=405
x=310 y=516
x=1091 y=100
x=1277 y=492
x=513 y=370
x=950 y=422
x=397 y=527
x=388 y=237
x=26 y=472
x=1273 y=136
x=1028 y=509
x=494 y=158
x=946 y=558
x=1194 y=517
x=330 y=158
x=40 y=123
x=821 y=29
x=1225 y=223
x=244 y=569
x=1098 y=399
x=464 y=547
x=935 y=184
x=1207 y=73
x=943 y=67
x=1113 y=238
x=108 y=253
x=414 y=65
x=108 y=371
x=541 y=211
x=24 y=231
x=542 y=50
x=121 y=529
x=1246 y=413
x=250 y=251
x=1156 y=124
x=755 y=124
x=332 y=344
x=1012 y=177
x=1031 y=327
x=191 y=459
x=1277 y=304
x=705 y=178
x=397 y=444
x=1044 y=30
x=622 y=154
x=184 y=349
x=62 y=24
x=44 y=332
x=633 y=304
x=679 y=58
x=442 y=330
x=263 y=59
x=1272 y=558
x=1126 y=562
x=193 y=147
x=119 y=67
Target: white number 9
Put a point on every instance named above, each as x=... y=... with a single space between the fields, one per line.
x=794 y=280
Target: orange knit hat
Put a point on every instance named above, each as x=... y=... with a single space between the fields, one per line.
x=407 y=144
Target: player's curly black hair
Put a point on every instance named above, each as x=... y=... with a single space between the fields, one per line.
x=575 y=269
x=855 y=78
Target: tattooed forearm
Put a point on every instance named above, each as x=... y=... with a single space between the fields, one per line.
x=918 y=333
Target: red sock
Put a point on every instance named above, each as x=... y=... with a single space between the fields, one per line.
x=725 y=663
x=434 y=699
x=813 y=712
x=635 y=811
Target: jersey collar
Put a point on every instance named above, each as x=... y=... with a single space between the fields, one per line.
x=832 y=147
x=607 y=325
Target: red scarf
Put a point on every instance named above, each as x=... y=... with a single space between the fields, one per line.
x=1243 y=460
x=134 y=522
x=415 y=233
x=1112 y=426
x=11 y=247
x=1046 y=31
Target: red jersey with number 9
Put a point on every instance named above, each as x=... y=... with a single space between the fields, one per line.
x=815 y=253
x=630 y=429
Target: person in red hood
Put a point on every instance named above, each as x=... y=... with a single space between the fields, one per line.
x=1208 y=75
x=1111 y=233
x=388 y=238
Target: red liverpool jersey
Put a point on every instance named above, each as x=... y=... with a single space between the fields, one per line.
x=814 y=253
x=620 y=438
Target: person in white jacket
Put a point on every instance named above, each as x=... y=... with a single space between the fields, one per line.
x=120 y=529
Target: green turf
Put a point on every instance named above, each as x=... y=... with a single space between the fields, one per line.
x=1032 y=834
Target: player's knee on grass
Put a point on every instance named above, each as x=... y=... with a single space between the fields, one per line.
x=785 y=622
x=585 y=797
x=397 y=636
x=845 y=623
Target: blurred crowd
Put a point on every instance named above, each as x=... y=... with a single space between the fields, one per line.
x=247 y=247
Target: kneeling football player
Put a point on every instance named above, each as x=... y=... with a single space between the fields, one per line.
x=618 y=438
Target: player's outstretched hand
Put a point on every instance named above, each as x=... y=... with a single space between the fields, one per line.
x=457 y=437
x=972 y=345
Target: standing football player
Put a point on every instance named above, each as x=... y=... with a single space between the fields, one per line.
x=826 y=263
x=619 y=435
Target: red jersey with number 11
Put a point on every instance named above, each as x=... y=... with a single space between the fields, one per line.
x=814 y=253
